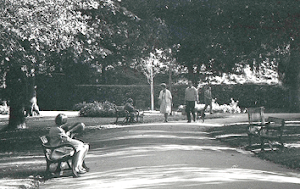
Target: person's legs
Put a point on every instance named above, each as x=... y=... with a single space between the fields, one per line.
x=81 y=151
x=166 y=117
x=131 y=115
x=193 y=111
x=80 y=158
x=35 y=108
x=78 y=161
x=210 y=107
x=188 y=111
x=206 y=101
x=203 y=111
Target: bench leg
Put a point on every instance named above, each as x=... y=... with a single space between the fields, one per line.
x=250 y=139
x=57 y=170
x=280 y=141
x=48 y=167
x=47 y=172
x=262 y=144
x=75 y=175
x=116 y=119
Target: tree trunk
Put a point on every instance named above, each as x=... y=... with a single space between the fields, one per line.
x=103 y=69
x=17 y=97
x=293 y=79
x=16 y=117
x=191 y=75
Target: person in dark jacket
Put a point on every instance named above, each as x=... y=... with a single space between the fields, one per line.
x=131 y=110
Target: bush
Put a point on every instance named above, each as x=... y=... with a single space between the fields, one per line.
x=4 y=110
x=232 y=107
x=96 y=109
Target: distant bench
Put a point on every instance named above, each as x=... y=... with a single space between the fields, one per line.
x=122 y=113
x=270 y=129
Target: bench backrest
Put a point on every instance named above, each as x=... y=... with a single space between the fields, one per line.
x=47 y=151
x=120 y=111
x=44 y=139
x=256 y=114
x=274 y=122
x=119 y=108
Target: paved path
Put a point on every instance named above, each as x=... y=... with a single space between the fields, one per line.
x=164 y=155
x=172 y=155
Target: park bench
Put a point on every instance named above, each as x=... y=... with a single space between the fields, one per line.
x=270 y=129
x=67 y=158
x=122 y=113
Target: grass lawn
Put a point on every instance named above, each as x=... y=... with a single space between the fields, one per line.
x=289 y=156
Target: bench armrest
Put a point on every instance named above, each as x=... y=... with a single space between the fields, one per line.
x=56 y=147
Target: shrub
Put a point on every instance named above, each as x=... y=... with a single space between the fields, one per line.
x=96 y=109
x=224 y=108
x=232 y=107
x=4 y=110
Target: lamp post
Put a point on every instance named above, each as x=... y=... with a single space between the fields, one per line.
x=151 y=86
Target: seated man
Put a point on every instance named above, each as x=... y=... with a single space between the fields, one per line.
x=63 y=134
x=132 y=111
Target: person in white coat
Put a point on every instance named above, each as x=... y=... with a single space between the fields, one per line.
x=165 y=101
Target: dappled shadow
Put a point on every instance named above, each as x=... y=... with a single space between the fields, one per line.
x=164 y=156
x=172 y=176
x=132 y=167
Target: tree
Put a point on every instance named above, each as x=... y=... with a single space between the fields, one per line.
x=58 y=36
x=46 y=36
x=221 y=36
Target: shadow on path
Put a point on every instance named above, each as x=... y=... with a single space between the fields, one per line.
x=171 y=156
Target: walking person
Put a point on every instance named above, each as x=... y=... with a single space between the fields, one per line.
x=191 y=97
x=207 y=99
x=165 y=101
x=33 y=107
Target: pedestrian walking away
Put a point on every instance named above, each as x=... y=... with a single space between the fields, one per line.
x=165 y=101
x=207 y=99
x=191 y=97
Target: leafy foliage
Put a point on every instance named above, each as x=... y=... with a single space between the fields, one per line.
x=96 y=109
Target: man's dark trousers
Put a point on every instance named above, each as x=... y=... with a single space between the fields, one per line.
x=190 y=108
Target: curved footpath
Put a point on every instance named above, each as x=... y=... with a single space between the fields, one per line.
x=173 y=155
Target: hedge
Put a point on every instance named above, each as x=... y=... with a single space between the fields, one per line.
x=65 y=97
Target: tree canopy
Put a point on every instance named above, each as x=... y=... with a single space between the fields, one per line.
x=218 y=35
x=204 y=35
x=85 y=39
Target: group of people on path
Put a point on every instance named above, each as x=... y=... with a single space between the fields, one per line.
x=165 y=102
x=191 y=98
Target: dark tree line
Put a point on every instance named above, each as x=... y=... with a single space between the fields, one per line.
x=87 y=39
